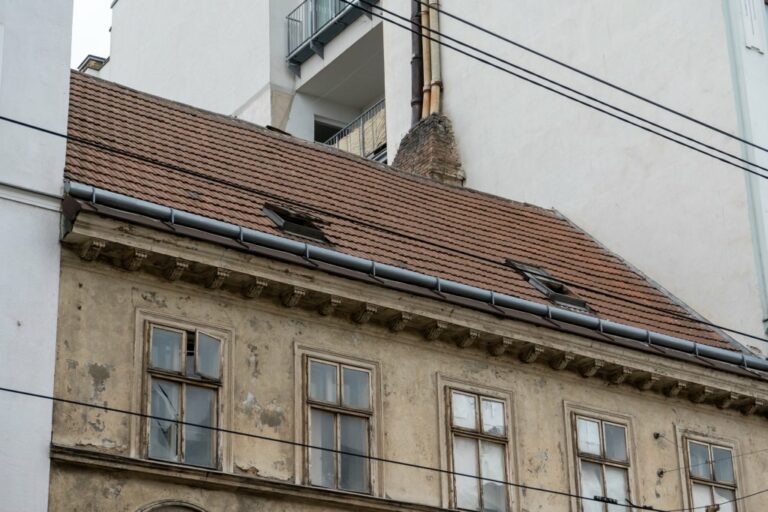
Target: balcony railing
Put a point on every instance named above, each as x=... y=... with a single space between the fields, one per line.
x=366 y=135
x=314 y=23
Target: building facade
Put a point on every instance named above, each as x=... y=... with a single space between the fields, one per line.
x=279 y=337
x=314 y=67
x=34 y=87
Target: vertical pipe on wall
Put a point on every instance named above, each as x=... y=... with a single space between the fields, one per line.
x=427 y=61
x=417 y=77
x=436 y=81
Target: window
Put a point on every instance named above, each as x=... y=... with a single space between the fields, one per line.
x=478 y=438
x=753 y=17
x=552 y=288
x=340 y=412
x=711 y=475
x=603 y=461
x=184 y=378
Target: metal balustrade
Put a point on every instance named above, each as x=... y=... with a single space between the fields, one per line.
x=366 y=135
x=314 y=23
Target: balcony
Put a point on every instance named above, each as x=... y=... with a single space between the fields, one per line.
x=365 y=136
x=314 y=23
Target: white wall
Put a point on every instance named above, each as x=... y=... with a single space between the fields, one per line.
x=212 y=55
x=34 y=88
x=682 y=218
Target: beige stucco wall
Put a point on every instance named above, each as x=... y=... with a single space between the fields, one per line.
x=99 y=307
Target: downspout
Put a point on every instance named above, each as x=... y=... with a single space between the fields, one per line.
x=417 y=77
x=436 y=82
x=426 y=79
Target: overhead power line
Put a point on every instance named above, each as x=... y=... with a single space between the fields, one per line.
x=555 y=83
x=277 y=197
x=591 y=76
x=320 y=448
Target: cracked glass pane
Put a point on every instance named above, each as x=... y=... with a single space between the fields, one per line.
x=465 y=461
x=322 y=382
x=464 y=410
x=166 y=349
x=724 y=498
x=322 y=463
x=163 y=435
x=200 y=409
x=354 y=439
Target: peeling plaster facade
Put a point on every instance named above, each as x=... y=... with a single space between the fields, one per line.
x=98 y=457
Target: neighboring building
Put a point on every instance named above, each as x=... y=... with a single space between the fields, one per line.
x=692 y=223
x=34 y=87
x=222 y=274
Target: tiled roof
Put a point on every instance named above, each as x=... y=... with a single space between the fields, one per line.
x=371 y=210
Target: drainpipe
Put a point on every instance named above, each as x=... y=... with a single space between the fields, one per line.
x=417 y=77
x=427 y=61
x=436 y=82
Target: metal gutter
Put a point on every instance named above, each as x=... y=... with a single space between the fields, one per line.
x=370 y=267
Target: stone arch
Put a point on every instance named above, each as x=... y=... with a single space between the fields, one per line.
x=170 y=506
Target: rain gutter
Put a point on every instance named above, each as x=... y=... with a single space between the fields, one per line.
x=321 y=254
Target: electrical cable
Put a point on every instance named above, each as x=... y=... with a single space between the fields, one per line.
x=321 y=448
x=555 y=83
x=214 y=179
x=736 y=456
x=590 y=76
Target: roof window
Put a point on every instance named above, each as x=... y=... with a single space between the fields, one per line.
x=552 y=288
x=295 y=223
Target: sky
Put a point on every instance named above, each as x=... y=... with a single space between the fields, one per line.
x=90 y=29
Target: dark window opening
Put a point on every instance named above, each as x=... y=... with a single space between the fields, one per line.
x=552 y=288
x=324 y=131
x=295 y=223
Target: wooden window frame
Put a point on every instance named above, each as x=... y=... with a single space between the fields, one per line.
x=711 y=484
x=477 y=435
x=337 y=409
x=601 y=459
x=180 y=378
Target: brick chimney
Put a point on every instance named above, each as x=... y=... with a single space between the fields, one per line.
x=429 y=149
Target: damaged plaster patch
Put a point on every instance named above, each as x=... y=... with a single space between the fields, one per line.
x=271 y=414
x=253 y=360
x=154 y=299
x=99 y=374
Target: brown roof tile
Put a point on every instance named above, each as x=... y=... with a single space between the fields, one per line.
x=371 y=210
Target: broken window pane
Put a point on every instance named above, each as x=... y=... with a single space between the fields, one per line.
x=724 y=498
x=492 y=466
x=464 y=409
x=589 y=436
x=166 y=349
x=356 y=392
x=723 y=461
x=493 y=417
x=615 y=442
x=322 y=382
x=699 y=460
x=465 y=461
x=616 y=487
x=190 y=357
x=163 y=435
x=208 y=358
x=702 y=495
x=322 y=463
x=200 y=409
x=354 y=439
x=591 y=485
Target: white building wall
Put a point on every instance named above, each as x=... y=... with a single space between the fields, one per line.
x=34 y=87
x=682 y=218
